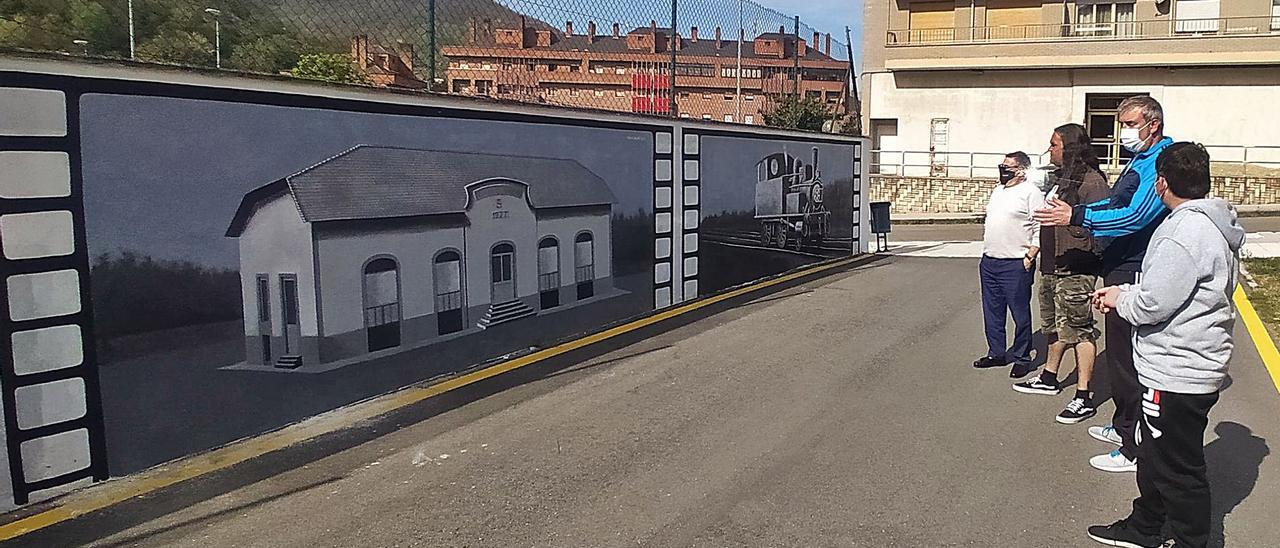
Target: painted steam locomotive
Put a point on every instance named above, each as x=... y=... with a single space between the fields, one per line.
x=789 y=202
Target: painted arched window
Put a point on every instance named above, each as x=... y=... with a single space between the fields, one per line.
x=450 y=300
x=584 y=264
x=549 y=272
x=382 y=303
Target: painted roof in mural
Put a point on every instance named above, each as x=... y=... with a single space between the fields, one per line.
x=372 y=182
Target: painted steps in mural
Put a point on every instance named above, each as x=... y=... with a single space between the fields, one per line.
x=505 y=312
x=289 y=362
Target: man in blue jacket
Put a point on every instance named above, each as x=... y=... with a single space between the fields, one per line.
x=1128 y=218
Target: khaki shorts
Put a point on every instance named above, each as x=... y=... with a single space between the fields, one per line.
x=1065 y=308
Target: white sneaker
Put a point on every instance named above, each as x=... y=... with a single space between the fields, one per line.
x=1114 y=462
x=1106 y=434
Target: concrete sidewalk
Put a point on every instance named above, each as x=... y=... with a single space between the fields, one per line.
x=843 y=412
x=1258 y=245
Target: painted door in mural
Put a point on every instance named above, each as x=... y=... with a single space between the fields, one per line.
x=448 y=291
x=584 y=263
x=289 y=311
x=264 y=316
x=382 y=303
x=549 y=272
x=502 y=271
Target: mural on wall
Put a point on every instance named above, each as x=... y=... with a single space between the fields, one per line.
x=769 y=206
x=188 y=266
x=256 y=264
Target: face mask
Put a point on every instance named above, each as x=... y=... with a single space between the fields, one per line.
x=1006 y=174
x=1131 y=140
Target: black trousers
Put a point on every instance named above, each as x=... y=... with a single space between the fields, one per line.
x=1126 y=392
x=1173 y=485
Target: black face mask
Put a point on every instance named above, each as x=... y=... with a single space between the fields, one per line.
x=1006 y=174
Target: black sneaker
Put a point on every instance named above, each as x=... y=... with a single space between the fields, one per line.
x=987 y=362
x=1021 y=369
x=1120 y=534
x=1077 y=410
x=1037 y=386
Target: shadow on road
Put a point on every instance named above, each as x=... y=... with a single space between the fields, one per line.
x=1233 y=460
x=131 y=539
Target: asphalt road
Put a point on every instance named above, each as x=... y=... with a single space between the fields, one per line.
x=843 y=412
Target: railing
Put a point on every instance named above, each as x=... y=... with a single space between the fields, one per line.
x=1155 y=28
x=584 y=273
x=548 y=281
x=448 y=301
x=1227 y=160
x=381 y=314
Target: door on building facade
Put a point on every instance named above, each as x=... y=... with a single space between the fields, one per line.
x=382 y=303
x=939 y=145
x=881 y=128
x=584 y=262
x=1103 y=125
x=289 y=311
x=502 y=273
x=264 y=316
x=549 y=272
x=450 y=302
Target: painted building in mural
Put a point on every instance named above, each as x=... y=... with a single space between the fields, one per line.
x=379 y=248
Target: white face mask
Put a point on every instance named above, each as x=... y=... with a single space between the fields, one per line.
x=1131 y=139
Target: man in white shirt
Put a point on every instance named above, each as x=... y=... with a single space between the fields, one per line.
x=1010 y=243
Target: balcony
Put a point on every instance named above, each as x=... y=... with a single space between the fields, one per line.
x=1234 y=41
x=1156 y=28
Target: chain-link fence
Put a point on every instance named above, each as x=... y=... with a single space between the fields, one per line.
x=725 y=60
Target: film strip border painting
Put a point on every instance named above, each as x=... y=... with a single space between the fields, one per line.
x=859 y=180
x=691 y=194
x=663 y=218
x=48 y=373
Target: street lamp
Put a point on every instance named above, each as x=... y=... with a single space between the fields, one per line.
x=83 y=44
x=217 y=35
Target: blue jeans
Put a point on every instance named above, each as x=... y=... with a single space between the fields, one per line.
x=1006 y=289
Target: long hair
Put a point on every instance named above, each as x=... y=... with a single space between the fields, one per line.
x=1078 y=159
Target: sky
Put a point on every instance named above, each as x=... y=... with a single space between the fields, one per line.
x=155 y=185
x=825 y=15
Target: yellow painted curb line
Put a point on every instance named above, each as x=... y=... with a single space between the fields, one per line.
x=1258 y=332
x=118 y=491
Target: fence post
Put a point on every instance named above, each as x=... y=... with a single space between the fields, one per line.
x=672 y=105
x=796 y=78
x=431 y=44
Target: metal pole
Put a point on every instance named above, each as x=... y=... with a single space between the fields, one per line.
x=796 y=77
x=741 y=31
x=132 y=51
x=217 y=42
x=431 y=46
x=671 y=100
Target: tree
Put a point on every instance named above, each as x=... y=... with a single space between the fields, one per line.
x=171 y=46
x=330 y=67
x=793 y=111
x=266 y=54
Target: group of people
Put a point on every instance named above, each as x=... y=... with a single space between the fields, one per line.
x=1167 y=256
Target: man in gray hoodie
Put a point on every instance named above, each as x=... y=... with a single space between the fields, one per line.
x=1183 y=316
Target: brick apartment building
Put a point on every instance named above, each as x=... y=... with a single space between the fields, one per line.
x=383 y=66
x=630 y=72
